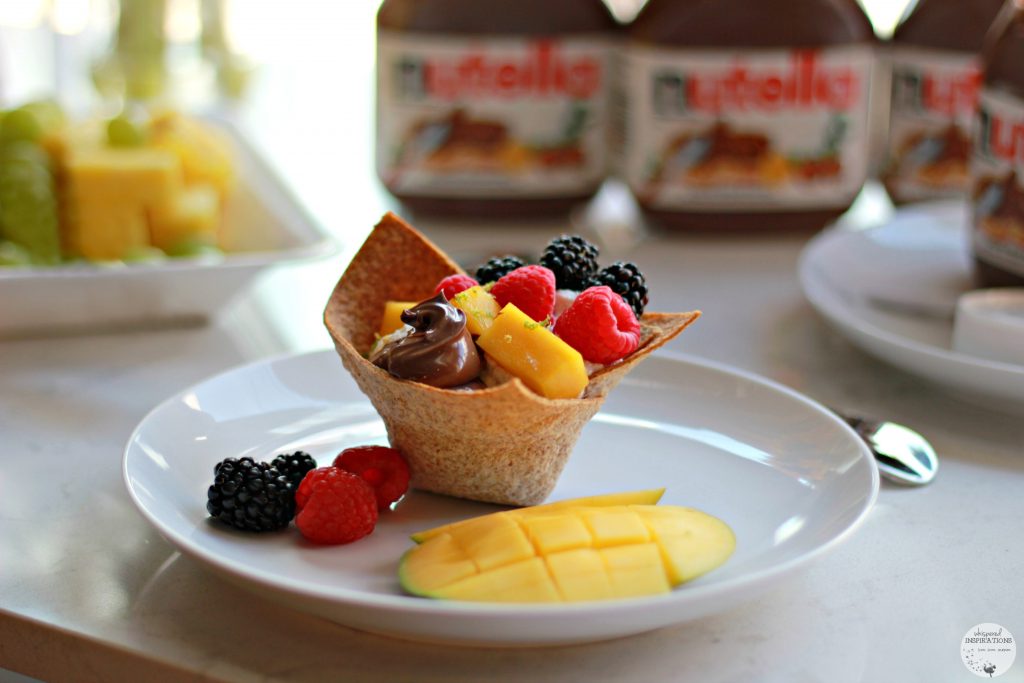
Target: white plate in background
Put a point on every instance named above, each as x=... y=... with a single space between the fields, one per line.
x=264 y=225
x=789 y=477
x=892 y=290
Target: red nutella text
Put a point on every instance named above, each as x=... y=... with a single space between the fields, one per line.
x=543 y=70
x=1000 y=137
x=805 y=83
x=942 y=93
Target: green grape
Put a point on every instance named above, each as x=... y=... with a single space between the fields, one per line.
x=12 y=254
x=147 y=254
x=20 y=125
x=193 y=247
x=124 y=132
x=28 y=201
x=48 y=113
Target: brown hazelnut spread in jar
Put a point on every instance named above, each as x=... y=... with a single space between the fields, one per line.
x=747 y=114
x=935 y=63
x=493 y=109
x=997 y=163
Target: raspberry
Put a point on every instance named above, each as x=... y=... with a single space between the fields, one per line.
x=498 y=267
x=627 y=281
x=249 y=495
x=530 y=288
x=381 y=467
x=294 y=466
x=600 y=325
x=337 y=507
x=453 y=284
x=572 y=259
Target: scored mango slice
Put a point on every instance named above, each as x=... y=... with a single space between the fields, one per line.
x=531 y=352
x=644 y=497
x=567 y=553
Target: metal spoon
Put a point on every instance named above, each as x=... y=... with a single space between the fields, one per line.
x=903 y=455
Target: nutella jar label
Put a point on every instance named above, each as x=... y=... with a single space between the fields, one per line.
x=997 y=172
x=758 y=130
x=934 y=94
x=491 y=117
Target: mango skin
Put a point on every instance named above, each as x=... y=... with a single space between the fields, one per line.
x=531 y=352
x=568 y=554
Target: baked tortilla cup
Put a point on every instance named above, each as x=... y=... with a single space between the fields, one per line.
x=504 y=444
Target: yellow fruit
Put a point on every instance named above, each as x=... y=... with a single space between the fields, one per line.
x=205 y=154
x=101 y=231
x=567 y=553
x=192 y=213
x=108 y=194
x=531 y=352
x=479 y=306
x=140 y=176
x=645 y=497
x=392 y=319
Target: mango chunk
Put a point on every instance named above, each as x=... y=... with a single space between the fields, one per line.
x=531 y=352
x=480 y=308
x=635 y=570
x=580 y=575
x=615 y=526
x=567 y=553
x=643 y=497
x=525 y=581
x=502 y=542
x=554 y=533
x=392 y=319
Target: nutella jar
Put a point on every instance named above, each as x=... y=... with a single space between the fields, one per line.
x=747 y=114
x=935 y=62
x=997 y=162
x=493 y=109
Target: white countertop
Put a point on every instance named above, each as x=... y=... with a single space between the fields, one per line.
x=88 y=591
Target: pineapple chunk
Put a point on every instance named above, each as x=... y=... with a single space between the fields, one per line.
x=192 y=213
x=531 y=352
x=392 y=319
x=108 y=195
x=205 y=154
x=102 y=231
x=480 y=308
x=568 y=553
x=144 y=177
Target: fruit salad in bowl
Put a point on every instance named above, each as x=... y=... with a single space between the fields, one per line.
x=140 y=186
x=486 y=386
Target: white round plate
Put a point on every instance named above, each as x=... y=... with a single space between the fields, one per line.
x=892 y=290
x=789 y=477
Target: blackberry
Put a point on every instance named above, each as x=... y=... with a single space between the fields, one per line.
x=294 y=466
x=572 y=259
x=498 y=267
x=627 y=281
x=252 y=496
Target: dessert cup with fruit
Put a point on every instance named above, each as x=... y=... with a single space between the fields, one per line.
x=486 y=386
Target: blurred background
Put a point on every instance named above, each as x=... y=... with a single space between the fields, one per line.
x=297 y=76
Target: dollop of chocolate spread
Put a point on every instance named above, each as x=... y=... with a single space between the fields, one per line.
x=439 y=351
